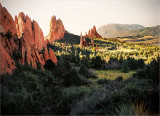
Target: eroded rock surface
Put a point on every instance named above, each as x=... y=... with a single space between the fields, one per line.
x=26 y=44
x=93 y=33
x=57 y=30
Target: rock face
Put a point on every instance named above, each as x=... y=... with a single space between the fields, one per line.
x=57 y=30
x=52 y=56
x=92 y=33
x=6 y=62
x=32 y=42
x=83 y=42
x=28 y=47
x=34 y=32
x=6 y=20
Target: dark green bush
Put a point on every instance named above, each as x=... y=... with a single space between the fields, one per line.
x=102 y=81
x=72 y=78
x=135 y=64
x=60 y=70
x=29 y=91
x=8 y=34
x=140 y=73
x=84 y=71
x=150 y=72
x=70 y=95
x=132 y=63
x=87 y=105
x=2 y=34
x=97 y=62
x=17 y=55
x=86 y=62
x=49 y=65
x=67 y=65
x=119 y=78
x=125 y=67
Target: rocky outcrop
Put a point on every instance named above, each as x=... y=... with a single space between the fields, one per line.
x=34 y=32
x=83 y=42
x=7 y=64
x=93 y=33
x=28 y=47
x=56 y=30
x=52 y=56
x=32 y=42
x=1 y=29
x=38 y=36
x=6 y=20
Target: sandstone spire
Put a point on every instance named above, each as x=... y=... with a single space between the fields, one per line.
x=57 y=29
x=29 y=48
x=92 y=33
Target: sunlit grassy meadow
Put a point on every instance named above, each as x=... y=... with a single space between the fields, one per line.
x=112 y=74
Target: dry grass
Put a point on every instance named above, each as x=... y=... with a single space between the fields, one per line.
x=145 y=40
x=140 y=109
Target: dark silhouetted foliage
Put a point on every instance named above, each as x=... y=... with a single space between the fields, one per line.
x=8 y=34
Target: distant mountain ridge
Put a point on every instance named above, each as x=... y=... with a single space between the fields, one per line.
x=154 y=31
x=121 y=30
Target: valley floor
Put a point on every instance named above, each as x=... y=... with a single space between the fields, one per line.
x=117 y=79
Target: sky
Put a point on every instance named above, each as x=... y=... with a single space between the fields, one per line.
x=80 y=15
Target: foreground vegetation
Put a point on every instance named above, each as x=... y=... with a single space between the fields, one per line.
x=87 y=81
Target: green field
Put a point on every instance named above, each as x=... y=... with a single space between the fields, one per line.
x=109 y=75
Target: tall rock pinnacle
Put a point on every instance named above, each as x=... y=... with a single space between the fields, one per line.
x=57 y=30
x=92 y=33
x=25 y=44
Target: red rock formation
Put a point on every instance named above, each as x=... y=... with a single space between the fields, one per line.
x=96 y=47
x=26 y=48
x=35 y=34
x=63 y=45
x=6 y=62
x=92 y=42
x=1 y=29
x=38 y=36
x=52 y=56
x=6 y=20
x=92 y=33
x=81 y=40
x=56 y=30
x=84 y=43
x=32 y=42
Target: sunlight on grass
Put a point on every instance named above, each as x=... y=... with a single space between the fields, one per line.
x=112 y=74
x=122 y=50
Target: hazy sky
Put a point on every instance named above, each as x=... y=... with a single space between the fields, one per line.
x=80 y=16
